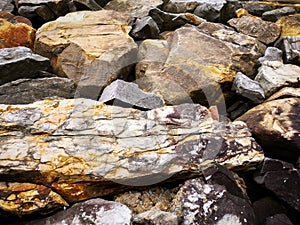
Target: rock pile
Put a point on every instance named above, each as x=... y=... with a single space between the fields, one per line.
x=168 y=112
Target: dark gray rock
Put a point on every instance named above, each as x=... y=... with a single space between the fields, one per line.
x=20 y=62
x=90 y=212
x=283 y=179
x=26 y=91
x=248 y=88
x=257 y=9
x=290 y=45
x=278 y=219
x=210 y=10
x=6 y=5
x=275 y=14
x=155 y=217
x=145 y=28
x=229 y=9
x=130 y=94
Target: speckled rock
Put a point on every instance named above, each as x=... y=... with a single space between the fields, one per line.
x=155 y=217
x=264 y=31
x=92 y=212
x=21 y=62
x=276 y=126
x=90 y=54
x=45 y=141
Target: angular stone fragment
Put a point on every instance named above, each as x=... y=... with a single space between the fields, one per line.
x=24 y=91
x=21 y=62
x=18 y=34
x=155 y=217
x=282 y=179
x=210 y=10
x=93 y=212
x=83 y=149
x=129 y=93
x=145 y=28
x=91 y=48
x=271 y=54
x=136 y=9
x=274 y=15
x=26 y=198
x=290 y=45
x=276 y=126
x=285 y=93
x=264 y=31
x=257 y=9
x=248 y=88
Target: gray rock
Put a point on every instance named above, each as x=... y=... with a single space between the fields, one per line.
x=6 y=5
x=283 y=179
x=210 y=10
x=91 y=212
x=25 y=91
x=179 y=6
x=21 y=62
x=257 y=9
x=271 y=54
x=145 y=28
x=248 y=88
x=155 y=217
x=130 y=94
x=275 y=14
x=290 y=45
x=278 y=219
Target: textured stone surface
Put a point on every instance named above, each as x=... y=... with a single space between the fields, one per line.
x=155 y=217
x=181 y=70
x=24 y=91
x=129 y=93
x=271 y=54
x=257 y=9
x=248 y=88
x=21 y=62
x=290 y=45
x=290 y=25
x=264 y=31
x=134 y=8
x=282 y=179
x=26 y=198
x=276 y=126
x=285 y=93
x=92 y=212
x=90 y=54
x=145 y=28
x=274 y=15
x=6 y=5
x=16 y=34
x=210 y=10
x=121 y=146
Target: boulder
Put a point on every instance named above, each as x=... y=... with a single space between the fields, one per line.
x=44 y=142
x=21 y=62
x=155 y=217
x=145 y=28
x=210 y=10
x=24 y=91
x=276 y=126
x=264 y=31
x=130 y=94
x=91 y=48
x=13 y=34
x=281 y=178
x=274 y=15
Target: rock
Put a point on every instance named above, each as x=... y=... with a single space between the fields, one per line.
x=274 y=15
x=248 y=88
x=129 y=93
x=264 y=31
x=271 y=54
x=93 y=212
x=136 y=9
x=177 y=6
x=257 y=9
x=6 y=5
x=284 y=93
x=90 y=54
x=145 y=28
x=24 y=91
x=290 y=25
x=282 y=179
x=212 y=203
x=275 y=125
x=26 y=198
x=278 y=219
x=275 y=75
x=20 y=62
x=155 y=217
x=171 y=21
x=184 y=71
x=210 y=10
x=290 y=45
x=46 y=140
x=16 y=34
x=229 y=10
x=14 y=19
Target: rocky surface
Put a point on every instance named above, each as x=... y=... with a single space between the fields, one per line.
x=168 y=165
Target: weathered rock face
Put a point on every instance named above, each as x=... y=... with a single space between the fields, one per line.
x=266 y=32
x=289 y=25
x=121 y=146
x=90 y=54
x=15 y=33
x=20 y=62
x=24 y=91
x=282 y=179
x=290 y=45
x=145 y=28
x=94 y=212
x=155 y=217
x=6 y=6
x=274 y=15
x=276 y=126
x=179 y=69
